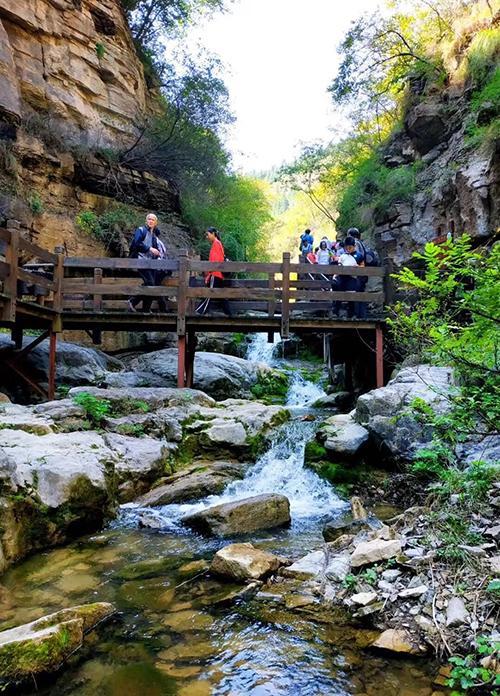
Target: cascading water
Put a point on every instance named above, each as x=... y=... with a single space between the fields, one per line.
x=281 y=468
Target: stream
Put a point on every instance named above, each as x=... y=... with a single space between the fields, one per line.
x=193 y=638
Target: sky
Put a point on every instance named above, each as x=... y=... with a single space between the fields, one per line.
x=279 y=57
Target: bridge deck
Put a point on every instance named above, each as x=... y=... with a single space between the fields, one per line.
x=47 y=291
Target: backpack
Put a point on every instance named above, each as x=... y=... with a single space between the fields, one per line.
x=371 y=258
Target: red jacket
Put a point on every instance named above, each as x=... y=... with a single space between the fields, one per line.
x=217 y=256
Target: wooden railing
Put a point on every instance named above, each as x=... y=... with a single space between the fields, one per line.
x=71 y=285
x=26 y=284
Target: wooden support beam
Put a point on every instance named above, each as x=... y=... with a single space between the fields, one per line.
x=379 y=355
x=27 y=349
x=10 y=283
x=16 y=336
x=182 y=293
x=11 y=364
x=97 y=304
x=181 y=361
x=51 y=392
x=190 y=355
x=285 y=296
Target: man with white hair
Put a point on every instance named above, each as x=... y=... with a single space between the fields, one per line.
x=145 y=245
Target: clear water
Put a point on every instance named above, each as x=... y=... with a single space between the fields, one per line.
x=192 y=637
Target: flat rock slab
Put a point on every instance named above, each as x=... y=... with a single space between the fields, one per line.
x=244 y=562
x=319 y=564
x=43 y=645
x=397 y=640
x=265 y=511
x=373 y=551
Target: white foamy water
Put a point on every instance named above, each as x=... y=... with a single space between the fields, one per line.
x=259 y=350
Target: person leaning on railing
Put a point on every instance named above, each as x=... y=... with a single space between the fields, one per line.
x=214 y=279
x=144 y=245
x=344 y=283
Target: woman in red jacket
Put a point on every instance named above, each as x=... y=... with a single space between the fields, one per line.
x=214 y=279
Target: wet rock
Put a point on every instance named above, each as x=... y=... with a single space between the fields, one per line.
x=155 y=398
x=343 y=525
x=397 y=640
x=265 y=511
x=340 y=400
x=182 y=621
x=148 y=569
x=189 y=570
x=342 y=436
x=456 y=612
x=242 y=562
x=357 y=508
x=43 y=645
x=202 y=479
x=373 y=551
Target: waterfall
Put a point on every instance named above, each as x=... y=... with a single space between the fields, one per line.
x=259 y=350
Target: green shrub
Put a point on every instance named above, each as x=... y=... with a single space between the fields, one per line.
x=100 y=50
x=95 y=409
x=110 y=226
x=467 y=673
x=35 y=203
x=271 y=387
x=490 y=93
x=482 y=55
x=315 y=452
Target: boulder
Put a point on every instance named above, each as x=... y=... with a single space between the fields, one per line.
x=386 y=412
x=243 y=562
x=75 y=365
x=344 y=524
x=214 y=373
x=265 y=511
x=397 y=640
x=200 y=480
x=374 y=551
x=339 y=400
x=342 y=436
x=43 y=645
x=154 y=397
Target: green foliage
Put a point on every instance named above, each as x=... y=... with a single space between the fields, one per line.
x=111 y=226
x=100 y=50
x=127 y=406
x=131 y=429
x=490 y=93
x=271 y=387
x=35 y=203
x=350 y=581
x=453 y=531
x=469 y=675
x=315 y=452
x=96 y=410
x=369 y=576
x=237 y=206
x=482 y=55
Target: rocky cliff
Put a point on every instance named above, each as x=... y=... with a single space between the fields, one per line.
x=457 y=179
x=72 y=89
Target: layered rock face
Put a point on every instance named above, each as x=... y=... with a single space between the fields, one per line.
x=457 y=186
x=72 y=86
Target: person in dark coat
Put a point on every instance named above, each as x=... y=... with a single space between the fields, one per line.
x=144 y=245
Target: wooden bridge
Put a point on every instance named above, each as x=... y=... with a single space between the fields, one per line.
x=52 y=292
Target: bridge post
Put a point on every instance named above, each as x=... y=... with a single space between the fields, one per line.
x=10 y=283
x=51 y=391
x=190 y=355
x=181 y=317
x=379 y=355
x=285 y=296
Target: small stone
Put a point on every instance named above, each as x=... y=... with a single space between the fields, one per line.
x=364 y=598
x=369 y=609
x=391 y=575
x=295 y=601
x=416 y=552
x=425 y=624
x=456 y=612
x=386 y=586
x=494 y=563
x=413 y=591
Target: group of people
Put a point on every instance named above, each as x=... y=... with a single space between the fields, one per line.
x=146 y=244
x=350 y=251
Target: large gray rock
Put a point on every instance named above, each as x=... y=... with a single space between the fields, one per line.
x=202 y=479
x=243 y=562
x=153 y=397
x=43 y=645
x=426 y=126
x=374 y=551
x=342 y=436
x=324 y=563
x=74 y=364
x=219 y=375
x=386 y=412
x=265 y=511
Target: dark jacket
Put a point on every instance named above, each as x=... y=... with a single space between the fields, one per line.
x=137 y=245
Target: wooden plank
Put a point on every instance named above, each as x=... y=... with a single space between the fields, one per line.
x=36 y=251
x=182 y=302
x=311 y=284
x=58 y=292
x=116 y=263
x=272 y=301
x=4 y=270
x=337 y=270
x=132 y=280
x=20 y=373
x=4 y=235
x=97 y=299
x=234 y=293
x=285 y=296
x=347 y=296
x=33 y=344
x=10 y=283
x=34 y=279
x=234 y=267
x=389 y=284
x=124 y=290
x=379 y=356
